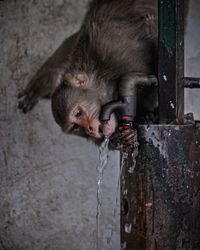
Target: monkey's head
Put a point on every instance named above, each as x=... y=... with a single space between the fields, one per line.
x=76 y=105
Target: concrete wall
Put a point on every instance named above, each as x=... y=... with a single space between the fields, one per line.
x=48 y=180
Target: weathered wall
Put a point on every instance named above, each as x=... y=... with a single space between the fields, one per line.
x=192 y=57
x=48 y=181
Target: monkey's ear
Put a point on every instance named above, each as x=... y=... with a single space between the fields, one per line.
x=79 y=80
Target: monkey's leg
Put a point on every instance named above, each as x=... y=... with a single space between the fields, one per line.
x=48 y=77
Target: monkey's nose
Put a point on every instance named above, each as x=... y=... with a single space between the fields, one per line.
x=90 y=129
x=93 y=131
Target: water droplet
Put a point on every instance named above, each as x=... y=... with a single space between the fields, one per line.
x=165 y=77
x=128 y=228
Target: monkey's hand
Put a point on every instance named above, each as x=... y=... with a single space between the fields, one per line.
x=124 y=138
x=42 y=85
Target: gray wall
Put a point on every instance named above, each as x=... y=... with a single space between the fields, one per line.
x=48 y=181
x=192 y=57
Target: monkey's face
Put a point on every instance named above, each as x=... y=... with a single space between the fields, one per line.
x=77 y=111
x=83 y=120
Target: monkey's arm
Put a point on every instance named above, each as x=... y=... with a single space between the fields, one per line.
x=48 y=76
x=137 y=103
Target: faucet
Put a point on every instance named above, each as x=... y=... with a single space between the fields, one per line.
x=126 y=105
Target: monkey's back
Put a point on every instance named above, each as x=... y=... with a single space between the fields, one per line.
x=122 y=35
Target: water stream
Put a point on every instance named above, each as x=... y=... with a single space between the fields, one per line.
x=103 y=160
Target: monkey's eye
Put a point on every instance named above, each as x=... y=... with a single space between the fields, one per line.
x=78 y=112
x=74 y=127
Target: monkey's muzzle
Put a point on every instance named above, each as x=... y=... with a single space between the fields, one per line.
x=124 y=109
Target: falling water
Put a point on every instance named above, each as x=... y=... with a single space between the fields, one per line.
x=116 y=211
x=103 y=160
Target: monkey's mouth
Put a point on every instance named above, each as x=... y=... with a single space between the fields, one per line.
x=107 y=128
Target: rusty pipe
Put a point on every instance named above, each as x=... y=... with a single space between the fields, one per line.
x=126 y=105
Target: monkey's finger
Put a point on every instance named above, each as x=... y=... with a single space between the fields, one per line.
x=126 y=133
x=25 y=100
x=30 y=106
x=23 y=105
x=28 y=102
x=20 y=104
x=120 y=135
x=22 y=93
x=27 y=90
x=129 y=139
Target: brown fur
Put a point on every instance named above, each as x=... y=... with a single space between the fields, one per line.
x=116 y=37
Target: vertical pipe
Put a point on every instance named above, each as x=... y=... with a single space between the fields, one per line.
x=171 y=60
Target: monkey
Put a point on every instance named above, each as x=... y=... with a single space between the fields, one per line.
x=115 y=38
